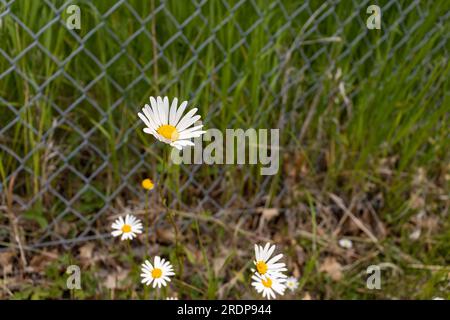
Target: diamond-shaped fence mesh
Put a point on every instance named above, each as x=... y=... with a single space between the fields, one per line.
x=71 y=147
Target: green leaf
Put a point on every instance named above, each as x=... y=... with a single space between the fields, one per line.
x=36 y=214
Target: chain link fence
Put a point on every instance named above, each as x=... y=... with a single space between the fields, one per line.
x=69 y=147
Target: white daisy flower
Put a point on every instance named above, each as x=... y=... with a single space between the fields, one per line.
x=292 y=283
x=265 y=265
x=345 y=243
x=167 y=124
x=159 y=272
x=268 y=285
x=127 y=228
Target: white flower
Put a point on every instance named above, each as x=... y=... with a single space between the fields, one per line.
x=346 y=243
x=292 y=283
x=438 y=298
x=268 y=285
x=127 y=228
x=167 y=124
x=415 y=234
x=172 y=298
x=159 y=272
x=266 y=265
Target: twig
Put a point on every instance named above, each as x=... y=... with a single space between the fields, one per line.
x=188 y=285
x=310 y=114
x=428 y=267
x=357 y=221
x=13 y=221
x=4 y=282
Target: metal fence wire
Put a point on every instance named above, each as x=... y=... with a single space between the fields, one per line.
x=72 y=153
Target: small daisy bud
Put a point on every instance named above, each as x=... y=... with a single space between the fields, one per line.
x=147 y=184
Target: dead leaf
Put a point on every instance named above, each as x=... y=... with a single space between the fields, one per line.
x=416 y=201
x=218 y=263
x=307 y=296
x=110 y=282
x=268 y=213
x=6 y=259
x=420 y=178
x=415 y=234
x=431 y=223
x=165 y=235
x=86 y=251
x=113 y=280
x=301 y=256
x=332 y=268
x=40 y=261
x=63 y=228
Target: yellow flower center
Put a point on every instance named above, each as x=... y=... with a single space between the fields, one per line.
x=126 y=228
x=156 y=273
x=267 y=283
x=261 y=266
x=147 y=184
x=169 y=132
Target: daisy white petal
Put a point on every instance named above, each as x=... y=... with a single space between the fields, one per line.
x=179 y=112
x=190 y=135
x=274 y=259
x=173 y=112
x=192 y=129
x=150 y=131
x=162 y=112
x=176 y=146
x=154 y=105
x=145 y=119
x=188 y=116
x=265 y=265
x=116 y=233
x=149 y=114
x=166 y=109
x=265 y=250
x=270 y=252
x=188 y=122
x=184 y=143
